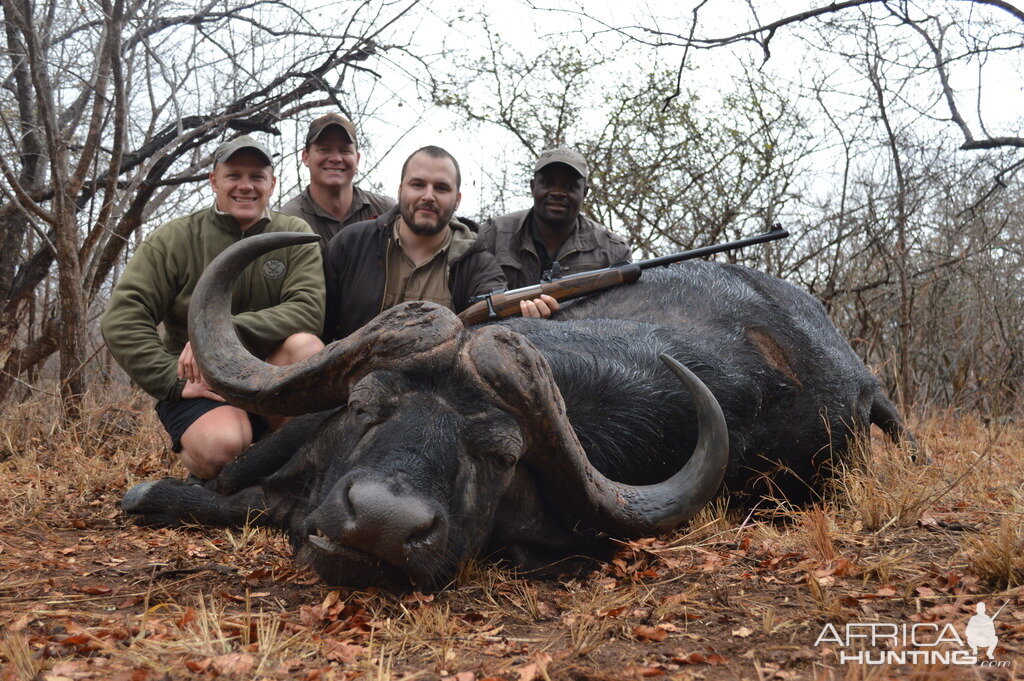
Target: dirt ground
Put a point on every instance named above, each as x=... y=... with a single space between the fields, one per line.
x=85 y=594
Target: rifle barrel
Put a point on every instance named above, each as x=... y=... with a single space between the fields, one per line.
x=774 y=233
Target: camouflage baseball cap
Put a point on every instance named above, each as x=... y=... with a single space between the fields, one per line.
x=566 y=155
x=317 y=127
x=232 y=147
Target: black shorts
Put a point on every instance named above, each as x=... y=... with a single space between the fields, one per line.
x=178 y=415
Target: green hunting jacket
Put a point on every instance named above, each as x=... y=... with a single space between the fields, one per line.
x=279 y=294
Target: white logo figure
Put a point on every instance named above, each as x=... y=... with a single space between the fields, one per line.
x=981 y=631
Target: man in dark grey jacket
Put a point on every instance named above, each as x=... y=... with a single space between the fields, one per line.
x=553 y=236
x=416 y=251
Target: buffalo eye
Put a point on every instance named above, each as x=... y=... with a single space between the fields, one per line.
x=497 y=440
x=368 y=414
x=504 y=459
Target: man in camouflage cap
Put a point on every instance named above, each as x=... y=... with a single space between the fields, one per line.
x=332 y=201
x=278 y=307
x=553 y=238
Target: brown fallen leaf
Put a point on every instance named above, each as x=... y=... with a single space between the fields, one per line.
x=338 y=651
x=743 y=632
x=232 y=663
x=610 y=612
x=187 y=617
x=536 y=670
x=699 y=658
x=198 y=666
x=645 y=633
x=142 y=674
x=92 y=590
x=461 y=676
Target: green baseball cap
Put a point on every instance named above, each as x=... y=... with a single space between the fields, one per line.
x=232 y=147
x=317 y=127
x=566 y=155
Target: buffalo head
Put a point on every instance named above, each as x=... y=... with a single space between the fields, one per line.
x=435 y=430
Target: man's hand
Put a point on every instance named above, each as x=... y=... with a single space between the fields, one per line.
x=539 y=308
x=187 y=366
x=199 y=389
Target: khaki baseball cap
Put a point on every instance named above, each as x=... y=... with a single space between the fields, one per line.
x=569 y=157
x=317 y=127
x=232 y=147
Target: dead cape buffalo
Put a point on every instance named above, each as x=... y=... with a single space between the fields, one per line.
x=421 y=443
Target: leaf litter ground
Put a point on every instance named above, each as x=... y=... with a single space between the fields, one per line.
x=738 y=594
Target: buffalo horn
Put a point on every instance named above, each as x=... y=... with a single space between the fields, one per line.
x=518 y=378
x=413 y=334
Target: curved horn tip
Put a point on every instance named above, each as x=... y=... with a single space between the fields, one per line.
x=672 y=363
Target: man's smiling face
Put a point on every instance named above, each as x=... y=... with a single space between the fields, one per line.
x=558 y=192
x=332 y=159
x=243 y=185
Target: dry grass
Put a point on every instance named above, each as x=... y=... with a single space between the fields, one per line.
x=998 y=556
x=737 y=594
x=22 y=663
x=882 y=487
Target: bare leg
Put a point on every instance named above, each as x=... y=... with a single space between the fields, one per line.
x=214 y=439
x=292 y=349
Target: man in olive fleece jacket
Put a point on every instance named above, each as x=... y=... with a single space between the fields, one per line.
x=277 y=306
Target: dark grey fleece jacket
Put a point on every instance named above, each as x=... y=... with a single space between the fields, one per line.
x=354 y=269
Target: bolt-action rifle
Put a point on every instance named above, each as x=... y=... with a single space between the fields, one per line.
x=506 y=304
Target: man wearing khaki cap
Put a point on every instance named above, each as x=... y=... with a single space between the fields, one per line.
x=553 y=238
x=331 y=201
x=278 y=307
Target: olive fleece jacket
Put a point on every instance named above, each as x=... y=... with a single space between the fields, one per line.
x=279 y=294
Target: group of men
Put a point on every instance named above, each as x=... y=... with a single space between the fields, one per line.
x=373 y=254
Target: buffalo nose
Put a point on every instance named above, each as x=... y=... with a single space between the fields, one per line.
x=386 y=524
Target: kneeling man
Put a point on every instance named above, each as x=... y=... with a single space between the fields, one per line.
x=278 y=307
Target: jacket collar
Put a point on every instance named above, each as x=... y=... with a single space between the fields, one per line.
x=582 y=239
x=311 y=207
x=229 y=224
x=463 y=243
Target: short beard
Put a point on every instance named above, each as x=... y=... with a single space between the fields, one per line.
x=425 y=230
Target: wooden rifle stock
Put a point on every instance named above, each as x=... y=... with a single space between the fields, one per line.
x=500 y=305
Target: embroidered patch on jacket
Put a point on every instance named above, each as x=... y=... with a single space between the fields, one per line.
x=274 y=269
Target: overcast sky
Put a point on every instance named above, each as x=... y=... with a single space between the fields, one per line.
x=399 y=122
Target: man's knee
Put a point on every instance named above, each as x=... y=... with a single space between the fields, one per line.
x=214 y=440
x=295 y=348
